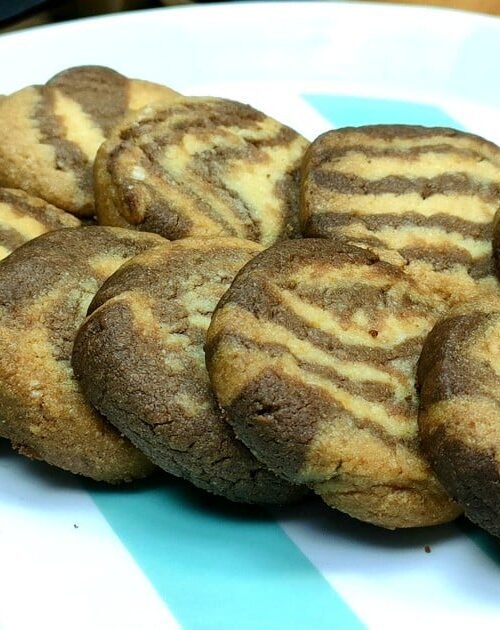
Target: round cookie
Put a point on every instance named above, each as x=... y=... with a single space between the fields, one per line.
x=51 y=133
x=312 y=353
x=496 y=242
x=46 y=286
x=139 y=357
x=201 y=167
x=459 y=419
x=420 y=197
x=23 y=217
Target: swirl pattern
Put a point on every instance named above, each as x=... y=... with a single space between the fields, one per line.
x=421 y=198
x=51 y=133
x=140 y=359
x=23 y=217
x=459 y=419
x=202 y=167
x=312 y=353
x=46 y=286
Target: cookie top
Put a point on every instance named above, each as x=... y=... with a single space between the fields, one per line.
x=140 y=360
x=312 y=353
x=459 y=419
x=51 y=132
x=422 y=198
x=496 y=242
x=201 y=167
x=23 y=217
x=46 y=286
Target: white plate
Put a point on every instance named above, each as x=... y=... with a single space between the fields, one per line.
x=75 y=555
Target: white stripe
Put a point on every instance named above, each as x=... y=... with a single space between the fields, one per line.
x=476 y=118
x=286 y=105
x=455 y=584
x=58 y=576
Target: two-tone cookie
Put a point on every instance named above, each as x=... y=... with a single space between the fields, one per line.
x=421 y=198
x=46 y=286
x=459 y=419
x=312 y=354
x=201 y=167
x=140 y=360
x=51 y=133
x=24 y=217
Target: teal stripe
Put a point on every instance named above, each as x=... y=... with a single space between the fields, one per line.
x=345 y=111
x=219 y=565
x=488 y=544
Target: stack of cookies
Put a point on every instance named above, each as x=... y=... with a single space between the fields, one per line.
x=256 y=314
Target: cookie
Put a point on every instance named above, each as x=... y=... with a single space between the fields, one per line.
x=46 y=286
x=496 y=242
x=51 y=133
x=201 y=167
x=421 y=198
x=23 y=217
x=140 y=361
x=312 y=353
x=459 y=419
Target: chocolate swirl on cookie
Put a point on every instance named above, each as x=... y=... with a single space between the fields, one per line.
x=201 y=167
x=46 y=286
x=312 y=353
x=140 y=360
x=51 y=132
x=459 y=419
x=23 y=217
x=422 y=198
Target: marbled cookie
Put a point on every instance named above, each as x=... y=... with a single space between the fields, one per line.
x=140 y=360
x=422 y=198
x=312 y=353
x=51 y=133
x=23 y=217
x=46 y=286
x=459 y=419
x=201 y=167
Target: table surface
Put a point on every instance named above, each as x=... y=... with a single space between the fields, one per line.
x=483 y=6
x=78 y=9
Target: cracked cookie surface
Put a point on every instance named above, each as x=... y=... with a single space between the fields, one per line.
x=46 y=286
x=312 y=353
x=420 y=197
x=51 y=133
x=459 y=418
x=24 y=217
x=201 y=167
x=140 y=359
